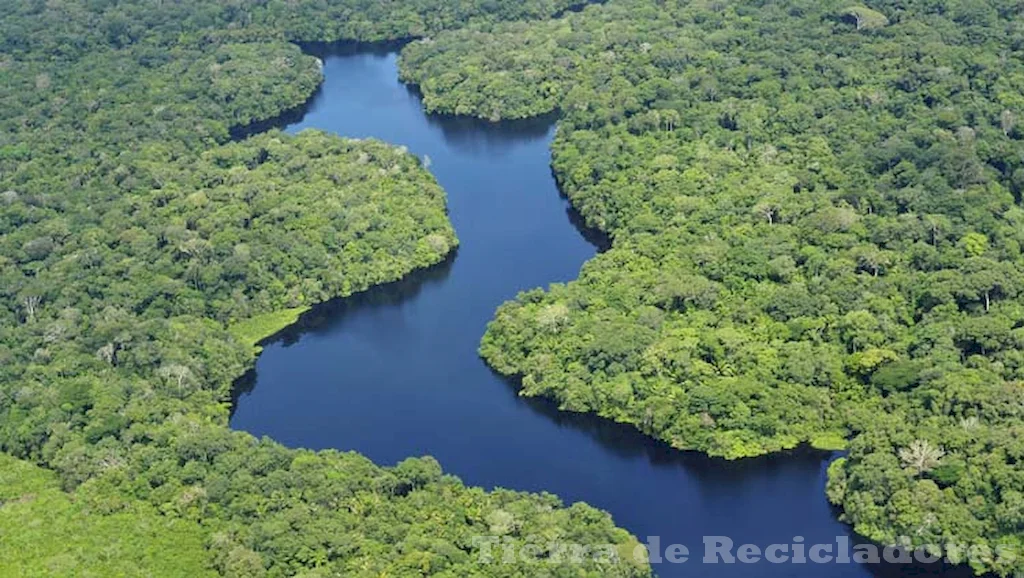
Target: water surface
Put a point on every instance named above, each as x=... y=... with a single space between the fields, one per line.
x=394 y=372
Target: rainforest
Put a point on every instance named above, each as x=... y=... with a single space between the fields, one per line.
x=813 y=225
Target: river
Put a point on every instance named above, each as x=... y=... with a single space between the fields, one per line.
x=395 y=373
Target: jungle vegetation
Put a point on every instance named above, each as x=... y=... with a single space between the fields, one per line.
x=143 y=254
x=53 y=535
x=816 y=209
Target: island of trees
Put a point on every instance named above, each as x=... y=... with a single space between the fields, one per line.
x=143 y=255
x=817 y=224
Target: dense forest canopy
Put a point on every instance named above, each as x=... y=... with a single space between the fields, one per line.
x=817 y=223
x=59 y=536
x=142 y=253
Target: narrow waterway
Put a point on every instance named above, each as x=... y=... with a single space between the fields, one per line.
x=394 y=373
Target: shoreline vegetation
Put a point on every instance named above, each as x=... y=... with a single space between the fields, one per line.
x=815 y=239
x=145 y=252
x=255 y=330
x=815 y=226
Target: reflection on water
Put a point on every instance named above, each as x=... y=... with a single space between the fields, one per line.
x=473 y=134
x=329 y=316
x=394 y=372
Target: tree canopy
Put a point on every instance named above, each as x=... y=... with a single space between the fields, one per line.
x=144 y=251
x=817 y=237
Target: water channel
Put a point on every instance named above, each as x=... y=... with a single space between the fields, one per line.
x=394 y=372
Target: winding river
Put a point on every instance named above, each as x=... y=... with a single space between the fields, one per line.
x=394 y=372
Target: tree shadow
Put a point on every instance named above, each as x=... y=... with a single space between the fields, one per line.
x=324 y=317
x=628 y=442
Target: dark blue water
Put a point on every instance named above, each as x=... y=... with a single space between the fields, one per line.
x=394 y=373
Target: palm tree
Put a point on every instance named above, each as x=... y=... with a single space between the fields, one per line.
x=921 y=456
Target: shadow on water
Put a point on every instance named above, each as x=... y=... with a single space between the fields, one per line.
x=473 y=133
x=467 y=133
x=627 y=442
x=599 y=239
x=325 y=50
x=330 y=314
x=288 y=117
x=324 y=316
x=393 y=371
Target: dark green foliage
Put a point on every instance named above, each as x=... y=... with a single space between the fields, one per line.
x=134 y=236
x=231 y=233
x=817 y=232
x=66 y=29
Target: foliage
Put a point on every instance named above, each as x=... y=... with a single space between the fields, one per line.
x=920 y=456
x=866 y=18
x=45 y=532
x=230 y=233
x=142 y=254
x=255 y=329
x=817 y=234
